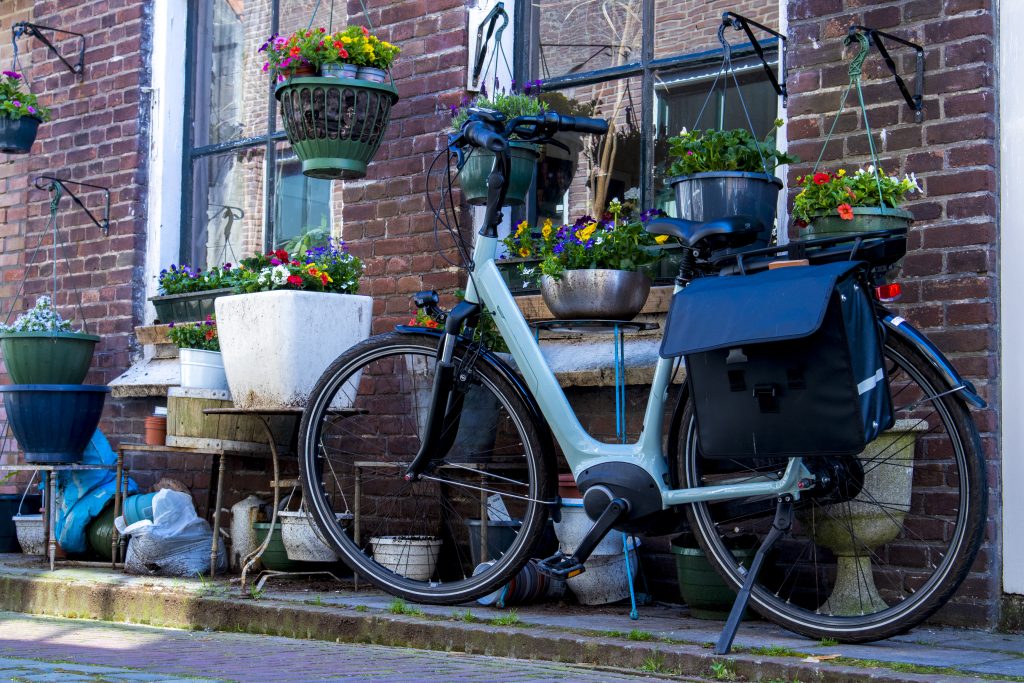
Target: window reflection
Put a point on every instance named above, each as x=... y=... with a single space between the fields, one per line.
x=588 y=35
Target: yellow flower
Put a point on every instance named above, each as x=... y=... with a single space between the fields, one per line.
x=661 y=239
x=346 y=39
x=841 y=172
x=584 y=233
x=521 y=228
x=547 y=229
x=524 y=252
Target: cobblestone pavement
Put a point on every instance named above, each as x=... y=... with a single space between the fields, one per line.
x=37 y=649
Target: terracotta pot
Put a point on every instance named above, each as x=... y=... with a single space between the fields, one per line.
x=156 y=430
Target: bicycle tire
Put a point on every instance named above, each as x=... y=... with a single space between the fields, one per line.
x=939 y=523
x=362 y=426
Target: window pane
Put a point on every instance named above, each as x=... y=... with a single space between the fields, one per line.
x=683 y=95
x=227 y=207
x=302 y=206
x=684 y=27
x=586 y=36
x=606 y=166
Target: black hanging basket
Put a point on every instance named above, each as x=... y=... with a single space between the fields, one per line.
x=17 y=135
x=335 y=125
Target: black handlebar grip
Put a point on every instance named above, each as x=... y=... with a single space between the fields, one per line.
x=480 y=135
x=581 y=124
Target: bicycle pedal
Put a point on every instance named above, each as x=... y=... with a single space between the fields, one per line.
x=561 y=566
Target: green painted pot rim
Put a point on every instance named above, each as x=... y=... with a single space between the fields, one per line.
x=50 y=335
x=725 y=174
x=57 y=388
x=336 y=83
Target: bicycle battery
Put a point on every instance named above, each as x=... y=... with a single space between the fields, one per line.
x=782 y=363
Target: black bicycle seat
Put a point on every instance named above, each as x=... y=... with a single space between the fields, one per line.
x=730 y=232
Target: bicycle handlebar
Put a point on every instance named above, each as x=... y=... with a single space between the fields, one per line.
x=488 y=130
x=479 y=134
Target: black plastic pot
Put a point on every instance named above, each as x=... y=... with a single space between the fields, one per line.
x=53 y=422
x=17 y=135
x=707 y=196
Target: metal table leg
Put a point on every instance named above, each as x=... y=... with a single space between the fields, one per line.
x=118 y=490
x=51 y=502
x=258 y=553
x=215 y=543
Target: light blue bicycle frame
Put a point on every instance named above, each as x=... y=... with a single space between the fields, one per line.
x=486 y=287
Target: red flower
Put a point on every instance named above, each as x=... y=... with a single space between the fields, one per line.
x=210 y=334
x=801 y=223
x=365 y=31
x=323 y=278
x=294 y=52
x=343 y=53
x=845 y=212
x=295 y=280
x=821 y=178
x=281 y=254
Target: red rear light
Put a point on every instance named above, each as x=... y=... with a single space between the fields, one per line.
x=889 y=293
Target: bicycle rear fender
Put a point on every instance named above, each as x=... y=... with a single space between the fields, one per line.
x=894 y=324
x=506 y=371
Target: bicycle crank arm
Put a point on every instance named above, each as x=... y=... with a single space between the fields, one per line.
x=562 y=567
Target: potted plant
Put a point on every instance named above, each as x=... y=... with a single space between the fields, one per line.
x=334 y=125
x=718 y=173
x=477 y=163
x=40 y=347
x=841 y=203
x=592 y=269
x=291 y=316
x=20 y=115
x=187 y=294
x=202 y=366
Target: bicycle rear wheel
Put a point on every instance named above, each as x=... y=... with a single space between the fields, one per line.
x=422 y=540
x=875 y=565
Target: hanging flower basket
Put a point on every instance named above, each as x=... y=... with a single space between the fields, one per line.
x=865 y=219
x=474 y=172
x=17 y=135
x=335 y=126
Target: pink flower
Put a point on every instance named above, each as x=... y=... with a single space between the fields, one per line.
x=16 y=103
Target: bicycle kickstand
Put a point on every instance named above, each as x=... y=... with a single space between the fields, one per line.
x=781 y=525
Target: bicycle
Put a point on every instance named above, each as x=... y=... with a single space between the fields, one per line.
x=381 y=438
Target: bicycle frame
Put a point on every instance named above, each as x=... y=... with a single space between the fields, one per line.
x=487 y=288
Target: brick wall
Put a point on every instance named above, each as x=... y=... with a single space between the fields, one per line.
x=949 y=275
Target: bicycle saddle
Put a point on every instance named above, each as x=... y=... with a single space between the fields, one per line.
x=730 y=232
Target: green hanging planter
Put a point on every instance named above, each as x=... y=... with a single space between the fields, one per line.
x=865 y=219
x=47 y=357
x=474 y=172
x=335 y=126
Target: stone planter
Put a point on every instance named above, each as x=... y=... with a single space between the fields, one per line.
x=275 y=345
x=596 y=294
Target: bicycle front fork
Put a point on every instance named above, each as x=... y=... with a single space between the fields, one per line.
x=449 y=390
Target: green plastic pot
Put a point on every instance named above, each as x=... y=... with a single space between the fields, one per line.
x=700 y=586
x=47 y=357
x=865 y=219
x=474 y=172
x=190 y=307
x=335 y=126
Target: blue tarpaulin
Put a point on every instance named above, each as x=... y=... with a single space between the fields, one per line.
x=82 y=495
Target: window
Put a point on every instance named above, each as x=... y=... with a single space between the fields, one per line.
x=242 y=188
x=647 y=66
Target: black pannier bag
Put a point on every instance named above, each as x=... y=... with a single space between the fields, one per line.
x=782 y=363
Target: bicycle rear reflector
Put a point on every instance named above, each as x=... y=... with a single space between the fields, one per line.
x=889 y=293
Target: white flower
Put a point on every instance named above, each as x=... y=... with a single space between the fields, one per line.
x=871 y=168
x=279 y=275
x=632 y=193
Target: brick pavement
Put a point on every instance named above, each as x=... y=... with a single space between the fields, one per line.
x=36 y=649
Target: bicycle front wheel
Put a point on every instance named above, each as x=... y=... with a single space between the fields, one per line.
x=880 y=559
x=473 y=519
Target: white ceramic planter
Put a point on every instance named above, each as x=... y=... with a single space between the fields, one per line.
x=302 y=542
x=202 y=369
x=414 y=557
x=277 y=344
x=31 y=534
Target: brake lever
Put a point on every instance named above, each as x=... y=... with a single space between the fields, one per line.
x=455 y=146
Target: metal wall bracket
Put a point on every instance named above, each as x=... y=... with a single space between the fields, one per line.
x=741 y=23
x=915 y=101
x=494 y=31
x=60 y=184
x=24 y=28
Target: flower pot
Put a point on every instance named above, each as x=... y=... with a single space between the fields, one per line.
x=574 y=525
x=301 y=540
x=349 y=71
x=11 y=505
x=373 y=74
x=707 y=196
x=700 y=586
x=606 y=579
x=473 y=174
x=191 y=307
x=865 y=219
x=500 y=536
x=201 y=369
x=414 y=557
x=31 y=534
x=47 y=357
x=17 y=135
x=335 y=126
x=275 y=345
x=596 y=293
x=155 y=428
x=53 y=422
x=274 y=558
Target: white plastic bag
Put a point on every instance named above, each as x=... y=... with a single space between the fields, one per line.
x=176 y=543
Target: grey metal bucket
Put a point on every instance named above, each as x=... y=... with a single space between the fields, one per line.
x=707 y=196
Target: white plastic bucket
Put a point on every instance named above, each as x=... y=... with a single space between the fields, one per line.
x=31 y=534
x=202 y=369
x=414 y=557
x=301 y=539
x=605 y=579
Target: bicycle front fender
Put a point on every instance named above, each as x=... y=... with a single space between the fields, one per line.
x=894 y=324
